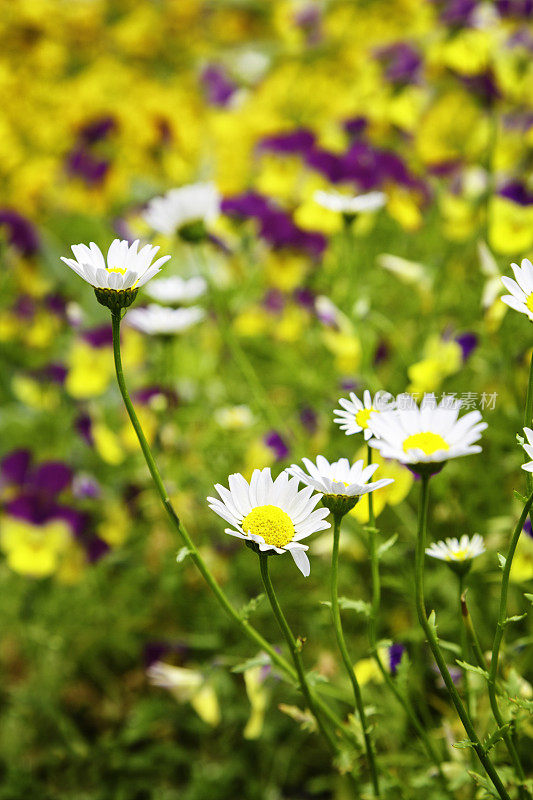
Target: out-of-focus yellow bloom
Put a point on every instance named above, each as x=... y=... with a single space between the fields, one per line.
x=286 y=270
x=108 y=445
x=258 y=696
x=33 y=393
x=113 y=529
x=467 y=52
x=252 y=322
x=442 y=358
x=452 y=128
x=346 y=348
x=522 y=568
x=234 y=418
x=403 y=206
x=257 y=453
x=90 y=370
x=312 y=216
x=366 y=669
x=33 y=550
x=459 y=216
x=291 y=324
x=405 y=108
x=188 y=686
x=279 y=176
x=510 y=226
x=72 y=565
x=132 y=347
x=148 y=422
x=392 y=494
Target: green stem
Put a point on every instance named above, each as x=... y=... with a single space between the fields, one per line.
x=498 y=638
x=345 y=655
x=195 y=555
x=372 y=635
x=464 y=649
x=433 y=641
x=528 y=420
x=294 y=648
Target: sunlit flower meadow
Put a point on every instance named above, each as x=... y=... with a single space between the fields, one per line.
x=266 y=452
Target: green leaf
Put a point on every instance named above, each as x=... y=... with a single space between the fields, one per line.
x=471 y=668
x=251 y=606
x=516 y=618
x=519 y=496
x=182 y=554
x=502 y=561
x=485 y=784
x=463 y=744
x=528 y=597
x=360 y=606
x=386 y=546
x=495 y=737
x=432 y=620
x=521 y=702
x=260 y=660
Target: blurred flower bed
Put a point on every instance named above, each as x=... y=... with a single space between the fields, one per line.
x=297 y=301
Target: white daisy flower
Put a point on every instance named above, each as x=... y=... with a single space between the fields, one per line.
x=155 y=319
x=127 y=267
x=528 y=447
x=339 y=477
x=179 y=208
x=426 y=434
x=457 y=550
x=272 y=515
x=354 y=415
x=521 y=297
x=175 y=290
x=349 y=204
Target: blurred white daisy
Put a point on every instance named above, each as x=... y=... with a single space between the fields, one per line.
x=127 y=267
x=159 y=320
x=528 y=447
x=350 y=204
x=175 y=290
x=339 y=477
x=354 y=415
x=180 y=208
x=521 y=297
x=271 y=515
x=463 y=549
x=426 y=434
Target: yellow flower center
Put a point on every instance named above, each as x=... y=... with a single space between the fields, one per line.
x=428 y=442
x=529 y=302
x=362 y=416
x=122 y=270
x=459 y=555
x=270 y=522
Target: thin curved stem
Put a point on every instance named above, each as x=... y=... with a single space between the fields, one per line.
x=337 y=623
x=430 y=631
x=195 y=555
x=294 y=648
x=498 y=638
x=464 y=649
x=372 y=635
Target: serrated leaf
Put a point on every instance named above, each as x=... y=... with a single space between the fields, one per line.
x=260 y=660
x=251 y=606
x=463 y=744
x=182 y=554
x=485 y=784
x=472 y=668
x=523 y=703
x=495 y=737
x=386 y=546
